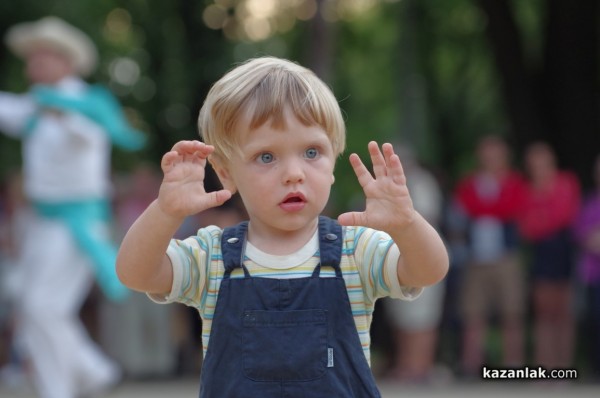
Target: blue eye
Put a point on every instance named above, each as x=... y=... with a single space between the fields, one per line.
x=265 y=157
x=311 y=153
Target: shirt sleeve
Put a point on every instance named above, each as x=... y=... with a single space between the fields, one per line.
x=376 y=256
x=15 y=112
x=190 y=259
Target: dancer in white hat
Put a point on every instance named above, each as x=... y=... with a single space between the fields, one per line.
x=66 y=127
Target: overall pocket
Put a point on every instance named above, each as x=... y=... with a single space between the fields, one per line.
x=284 y=345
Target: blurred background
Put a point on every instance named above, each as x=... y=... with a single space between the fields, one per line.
x=433 y=76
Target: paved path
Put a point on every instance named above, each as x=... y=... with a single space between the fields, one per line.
x=188 y=388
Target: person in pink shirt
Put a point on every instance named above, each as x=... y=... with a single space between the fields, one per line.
x=552 y=202
x=587 y=236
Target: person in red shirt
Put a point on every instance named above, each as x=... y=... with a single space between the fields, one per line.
x=552 y=202
x=486 y=205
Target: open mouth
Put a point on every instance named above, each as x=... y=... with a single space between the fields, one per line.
x=294 y=197
x=293 y=202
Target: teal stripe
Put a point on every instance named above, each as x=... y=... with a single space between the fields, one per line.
x=82 y=217
x=98 y=104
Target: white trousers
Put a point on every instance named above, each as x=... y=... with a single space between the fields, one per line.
x=56 y=279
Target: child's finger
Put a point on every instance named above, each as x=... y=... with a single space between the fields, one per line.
x=388 y=151
x=352 y=218
x=184 y=146
x=167 y=160
x=205 y=150
x=395 y=169
x=379 y=166
x=193 y=147
x=363 y=175
x=215 y=198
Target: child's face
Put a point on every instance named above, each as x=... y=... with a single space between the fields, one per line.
x=284 y=176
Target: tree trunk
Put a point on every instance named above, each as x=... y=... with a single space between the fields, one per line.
x=523 y=110
x=320 y=45
x=570 y=83
x=562 y=107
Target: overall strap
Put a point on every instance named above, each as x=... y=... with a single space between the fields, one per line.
x=233 y=244
x=330 y=245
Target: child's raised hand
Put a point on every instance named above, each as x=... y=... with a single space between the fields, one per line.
x=182 y=190
x=388 y=203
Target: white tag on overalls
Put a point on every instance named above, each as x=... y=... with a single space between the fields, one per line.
x=330 y=357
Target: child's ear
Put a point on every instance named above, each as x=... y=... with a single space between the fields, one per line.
x=220 y=167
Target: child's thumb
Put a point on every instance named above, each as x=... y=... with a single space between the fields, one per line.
x=352 y=218
x=216 y=198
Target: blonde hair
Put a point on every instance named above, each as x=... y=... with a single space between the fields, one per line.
x=262 y=89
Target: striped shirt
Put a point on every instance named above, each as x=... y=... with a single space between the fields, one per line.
x=369 y=268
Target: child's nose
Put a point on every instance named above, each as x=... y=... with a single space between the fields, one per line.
x=294 y=173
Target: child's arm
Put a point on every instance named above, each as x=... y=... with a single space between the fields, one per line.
x=142 y=263
x=423 y=256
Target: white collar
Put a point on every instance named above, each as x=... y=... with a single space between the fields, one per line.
x=287 y=261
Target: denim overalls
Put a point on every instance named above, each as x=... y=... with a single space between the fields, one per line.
x=285 y=337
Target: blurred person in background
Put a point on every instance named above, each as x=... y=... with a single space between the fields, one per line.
x=14 y=219
x=416 y=324
x=587 y=234
x=487 y=203
x=552 y=202
x=66 y=127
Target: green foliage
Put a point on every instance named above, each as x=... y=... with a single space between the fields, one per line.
x=410 y=72
x=366 y=83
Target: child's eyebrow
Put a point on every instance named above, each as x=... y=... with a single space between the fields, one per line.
x=254 y=146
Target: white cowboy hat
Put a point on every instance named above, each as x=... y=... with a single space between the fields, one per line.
x=57 y=34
